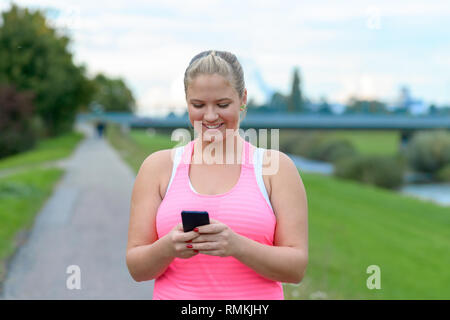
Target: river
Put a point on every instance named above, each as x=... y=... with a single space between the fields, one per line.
x=436 y=192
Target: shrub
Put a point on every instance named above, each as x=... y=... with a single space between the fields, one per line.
x=382 y=171
x=305 y=144
x=429 y=151
x=317 y=146
x=332 y=150
x=17 y=125
x=444 y=174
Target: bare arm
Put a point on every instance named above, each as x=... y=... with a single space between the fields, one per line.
x=147 y=256
x=287 y=260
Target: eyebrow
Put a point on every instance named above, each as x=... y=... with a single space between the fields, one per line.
x=198 y=100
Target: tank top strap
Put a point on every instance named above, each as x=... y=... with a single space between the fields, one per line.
x=187 y=152
x=249 y=150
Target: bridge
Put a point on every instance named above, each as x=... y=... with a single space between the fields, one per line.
x=405 y=124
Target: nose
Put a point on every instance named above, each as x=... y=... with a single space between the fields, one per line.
x=211 y=114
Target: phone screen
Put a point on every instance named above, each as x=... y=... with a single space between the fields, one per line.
x=192 y=219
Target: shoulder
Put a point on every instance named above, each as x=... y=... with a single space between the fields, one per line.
x=157 y=165
x=158 y=159
x=281 y=170
x=276 y=163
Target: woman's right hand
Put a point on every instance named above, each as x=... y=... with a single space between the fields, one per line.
x=179 y=240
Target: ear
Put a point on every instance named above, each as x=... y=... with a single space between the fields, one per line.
x=244 y=97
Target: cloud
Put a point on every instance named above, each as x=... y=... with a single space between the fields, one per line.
x=150 y=43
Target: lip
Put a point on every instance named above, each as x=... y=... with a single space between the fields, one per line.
x=213 y=125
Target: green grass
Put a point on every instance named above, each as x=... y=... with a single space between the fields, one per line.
x=352 y=226
x=47 y=150
x=23 y=193
x=366 y=142
x=384 y=143
x=138 y=145
x=21 y=197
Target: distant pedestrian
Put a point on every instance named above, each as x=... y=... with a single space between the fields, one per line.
x=100 y=128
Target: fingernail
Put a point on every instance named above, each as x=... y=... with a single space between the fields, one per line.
x=196 y=229
x=195 y=250
x=188 y=241
x=189 y=246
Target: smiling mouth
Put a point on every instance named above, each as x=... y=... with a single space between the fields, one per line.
x=214 y=128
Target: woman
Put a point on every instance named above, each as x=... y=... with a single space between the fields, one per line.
x=258 y=235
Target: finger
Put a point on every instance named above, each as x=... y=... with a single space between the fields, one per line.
x=211 y=228
x=205 y=238
x=186 y=236
x=204 y=246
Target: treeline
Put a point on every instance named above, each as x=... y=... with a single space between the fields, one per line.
x=296 y=102
x=41 y=88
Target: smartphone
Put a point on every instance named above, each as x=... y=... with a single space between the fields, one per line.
x=192 y=219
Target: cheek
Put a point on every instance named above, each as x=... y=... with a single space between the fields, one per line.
x=231 y=116
x=194 y=113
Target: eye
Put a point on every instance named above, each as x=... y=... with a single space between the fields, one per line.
x=220 y=105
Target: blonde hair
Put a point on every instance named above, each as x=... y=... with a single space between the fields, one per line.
x=223 y=63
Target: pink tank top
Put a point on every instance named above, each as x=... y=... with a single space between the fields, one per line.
x=245 y=210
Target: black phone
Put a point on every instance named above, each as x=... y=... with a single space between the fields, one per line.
x=192 y=219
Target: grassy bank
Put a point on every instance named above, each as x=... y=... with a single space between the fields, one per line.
x=354 y=226
x=47 y=150
x=23 y=194
x=21 y=197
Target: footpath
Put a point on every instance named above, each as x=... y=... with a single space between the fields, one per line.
x=81 y=231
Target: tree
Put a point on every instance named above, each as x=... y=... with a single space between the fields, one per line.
x=278 y=102
x=295 y=99
x=34 y=57
x=16 y=126
x=356 y=105
x=324 y=106
x=113 y=94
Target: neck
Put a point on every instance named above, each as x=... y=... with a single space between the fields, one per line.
x=227 y=151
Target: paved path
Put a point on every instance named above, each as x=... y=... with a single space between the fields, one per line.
x=84 y=223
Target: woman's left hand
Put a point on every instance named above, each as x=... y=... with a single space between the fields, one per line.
x=216 y=239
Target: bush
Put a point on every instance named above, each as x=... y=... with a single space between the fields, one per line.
x=317 y=146
x=332 y=151
x=429 y=151
x=382 y=171
x=305 y=143
x=17 y=125
x=444 y=174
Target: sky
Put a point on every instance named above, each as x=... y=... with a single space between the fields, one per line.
x=366 y=49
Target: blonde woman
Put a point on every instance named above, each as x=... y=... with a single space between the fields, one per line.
x=258 y=232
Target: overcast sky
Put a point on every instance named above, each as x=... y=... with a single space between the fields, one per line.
x=343 y=48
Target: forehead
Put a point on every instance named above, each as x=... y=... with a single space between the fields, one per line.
x=205 y=86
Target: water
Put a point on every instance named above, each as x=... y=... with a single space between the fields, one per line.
x=436 y=192
x=309 y=165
